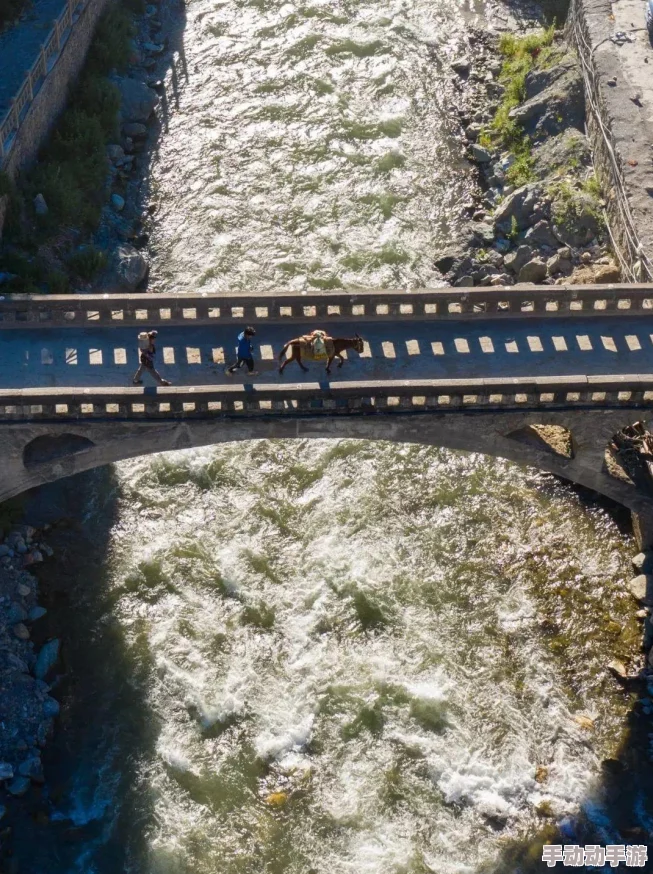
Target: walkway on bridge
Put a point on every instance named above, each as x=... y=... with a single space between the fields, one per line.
x=395 y=351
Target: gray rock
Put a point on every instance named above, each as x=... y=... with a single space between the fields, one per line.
x=21 y=631
x=32 y=768
x=559 y=152
x=40 y=206
x=502 y=279
x=557 y=264
x=51 y=707
x=464 y=282
x=16 y=613
x=555 y=108
x=153 y=48
x=533 y=271
x=19 y=786
x=46 y=659
x=23 y=590
x=37 y=612
x=643 y=562
x=538 y=80
x=115 y=153
x=473 y=131
x=6 y=771
x=137 y=100
x=461 y=66
x=483 y=231
x=502 y=245
x=641 y=588
x=479 y=154
x=520 y=205
x=117 y=202
x=541 y=235
x=129 y=267
x=514 y=261
x=135 y=131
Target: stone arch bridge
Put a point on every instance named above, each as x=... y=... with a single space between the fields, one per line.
x=483 y=370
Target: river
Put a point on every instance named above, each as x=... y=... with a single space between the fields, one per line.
x=315 y=657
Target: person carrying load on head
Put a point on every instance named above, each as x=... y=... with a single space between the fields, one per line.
x=147 y=351
x=245 y=353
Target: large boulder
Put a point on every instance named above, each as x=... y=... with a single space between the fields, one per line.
x=46 y=659
x=516 y=260
x=557 y=107
x=519 y=205
x=129 y=268
x=569 y=149
x=538 y=80
x=137 y=101
x=541 y=235
x=533 y=271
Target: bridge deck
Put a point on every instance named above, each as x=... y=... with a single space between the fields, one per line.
x=414 y=350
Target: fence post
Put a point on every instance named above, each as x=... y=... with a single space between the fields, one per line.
x=30 y=90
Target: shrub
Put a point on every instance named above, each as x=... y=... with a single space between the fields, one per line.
x=87 y=262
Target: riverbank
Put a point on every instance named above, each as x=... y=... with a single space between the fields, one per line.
x=27 y=710
x=539 y=214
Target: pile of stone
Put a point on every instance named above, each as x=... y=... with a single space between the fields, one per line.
x=525 y=235
x=27 y=710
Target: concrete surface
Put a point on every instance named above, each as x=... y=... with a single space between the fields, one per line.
x=403 y=350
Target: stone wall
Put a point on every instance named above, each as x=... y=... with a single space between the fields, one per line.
x=51 y=99
x=619 y=131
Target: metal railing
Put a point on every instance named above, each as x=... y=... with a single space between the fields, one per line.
x=35 y=76
x=337 y=398
x=147 y=310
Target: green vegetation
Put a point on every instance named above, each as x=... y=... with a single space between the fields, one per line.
x=574 y=201
x=71 y=173
x=520 y=56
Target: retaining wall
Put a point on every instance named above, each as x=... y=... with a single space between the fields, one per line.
x=619 y=129
x=51 y=98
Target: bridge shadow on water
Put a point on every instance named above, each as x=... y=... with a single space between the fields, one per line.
x=168 y=78
x=92 y=814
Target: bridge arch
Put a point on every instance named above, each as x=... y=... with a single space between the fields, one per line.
x=36 y=453
x=48 y=448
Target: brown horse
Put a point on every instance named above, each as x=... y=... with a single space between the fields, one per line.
x=335 y=346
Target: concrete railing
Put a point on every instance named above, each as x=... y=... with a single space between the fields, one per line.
x=36 y=75
x=337 y=398
x=86 y=311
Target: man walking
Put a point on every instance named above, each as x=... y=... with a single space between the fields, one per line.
x=148 y=351
x=245 y=353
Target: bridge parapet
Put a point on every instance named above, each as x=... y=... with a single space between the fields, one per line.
x=338 y=398
x=523 y=301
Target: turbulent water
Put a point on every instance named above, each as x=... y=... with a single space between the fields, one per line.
x=339 y=657
x=314 y=657
x=311 y=146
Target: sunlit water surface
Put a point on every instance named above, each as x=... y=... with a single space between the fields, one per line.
x=311 y=146
x=350 y=657
x=314 y=657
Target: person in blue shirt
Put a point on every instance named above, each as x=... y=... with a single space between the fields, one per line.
x=245 y=353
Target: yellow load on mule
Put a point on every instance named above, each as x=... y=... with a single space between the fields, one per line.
x=317 y=346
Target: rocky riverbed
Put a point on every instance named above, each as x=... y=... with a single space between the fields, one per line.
x=538 y=215
x=27 y=709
